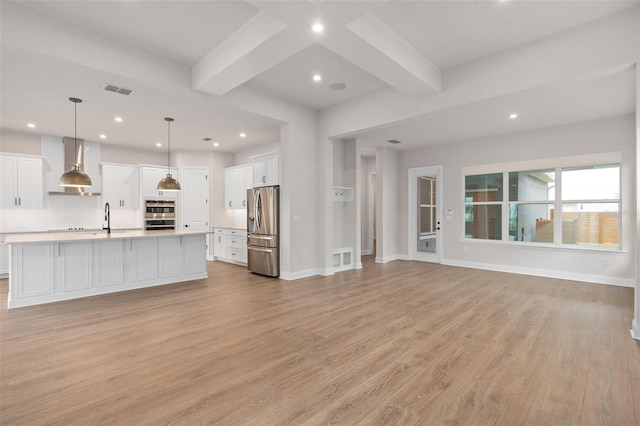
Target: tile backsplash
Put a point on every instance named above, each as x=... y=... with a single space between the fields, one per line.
x=66 y=211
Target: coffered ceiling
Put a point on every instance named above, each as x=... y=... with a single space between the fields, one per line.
x=208 y=50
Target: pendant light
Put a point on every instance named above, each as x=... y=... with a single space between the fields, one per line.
x=168 y=183
x=75 y=178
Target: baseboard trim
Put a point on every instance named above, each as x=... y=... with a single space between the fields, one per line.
x=635 y=330
x=291 y=276
x=547 y=273
x=391 y=258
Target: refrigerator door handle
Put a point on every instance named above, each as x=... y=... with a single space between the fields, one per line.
x=260 y=237
x=258 y=207
x=266 y=250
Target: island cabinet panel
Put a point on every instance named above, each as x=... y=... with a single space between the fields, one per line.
x=33 y=265
x=193 y=262
x=44 y=269
x=74 y=266
x=144 y=253
x=109 y=263
x=170 y=257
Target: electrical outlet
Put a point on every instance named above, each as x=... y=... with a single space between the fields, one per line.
x=606 y=261
x=465 y=249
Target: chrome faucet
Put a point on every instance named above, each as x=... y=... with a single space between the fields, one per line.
x=107 y=217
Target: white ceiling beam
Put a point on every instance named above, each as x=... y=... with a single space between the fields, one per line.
x=260 y=44
x=414 y=74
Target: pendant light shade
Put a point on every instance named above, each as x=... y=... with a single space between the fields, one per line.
x=75 y=178
x=168 y=183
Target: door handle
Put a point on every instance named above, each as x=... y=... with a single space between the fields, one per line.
x=261 y=249
x=259 y=237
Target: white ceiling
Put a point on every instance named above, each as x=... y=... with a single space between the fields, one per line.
x=268 y=47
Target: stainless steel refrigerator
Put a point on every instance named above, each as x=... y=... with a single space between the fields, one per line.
x=263 y=224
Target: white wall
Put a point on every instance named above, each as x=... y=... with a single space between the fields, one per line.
x=244 y=157
x=368 y=166
x=387 y=208
x=19 y=142
x=614 y=134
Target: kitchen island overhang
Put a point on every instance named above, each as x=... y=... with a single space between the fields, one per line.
x=45 y=268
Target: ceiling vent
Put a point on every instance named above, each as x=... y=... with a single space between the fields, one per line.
x=115 y=89
x=394 y=141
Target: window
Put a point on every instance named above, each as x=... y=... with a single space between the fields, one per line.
x=483 y=205
x=568 y=206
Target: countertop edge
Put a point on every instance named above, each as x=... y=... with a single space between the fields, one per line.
x=71 y=236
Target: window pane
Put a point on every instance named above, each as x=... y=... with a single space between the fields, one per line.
x=484 y=187
x=536 y=185
x=591 y=224
x=531 y=222
x=591 y=183
x=484 y=222
x=426 y=220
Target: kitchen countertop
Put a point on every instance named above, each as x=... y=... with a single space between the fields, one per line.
x=43 y=237
x=231 y=227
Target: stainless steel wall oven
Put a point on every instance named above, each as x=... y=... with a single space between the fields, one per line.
x=159 y=214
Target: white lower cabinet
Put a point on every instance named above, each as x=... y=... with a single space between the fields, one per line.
x=170 y=257
x=109 y=260
x=52 y=271
x=75 y=266
x=193 y=264
x=4 y=256
x=230 y=245
x=144 y=256
x=34 y=262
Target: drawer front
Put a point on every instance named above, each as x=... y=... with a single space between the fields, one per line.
x=236 y=242
x=237 y=232
x=219 y=231
x=235 y=254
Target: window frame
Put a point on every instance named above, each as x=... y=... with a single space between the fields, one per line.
x=558 y=165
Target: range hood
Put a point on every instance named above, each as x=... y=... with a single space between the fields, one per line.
x=72 y=150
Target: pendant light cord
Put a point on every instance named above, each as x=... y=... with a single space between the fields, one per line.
x=169 y=146
x=75 y=132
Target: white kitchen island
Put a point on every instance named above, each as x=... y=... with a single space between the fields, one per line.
x=46 y=268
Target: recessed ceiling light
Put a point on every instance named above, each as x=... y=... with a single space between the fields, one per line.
x=317 y=27
x=158 y=144
x=31 y=125
x=317 y=77
x=243 y=135
x=118 y=119
x=216 y=144
x=337 y=86
x=513 y=116
x=206 y=139
x=103 y=136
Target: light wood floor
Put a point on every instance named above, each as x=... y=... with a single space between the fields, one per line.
x=401 y=343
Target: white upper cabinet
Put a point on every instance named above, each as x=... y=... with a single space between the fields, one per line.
x=236 y=182
x=21 y=181
x=266 y=169
x=120 y=186
x=150 y=178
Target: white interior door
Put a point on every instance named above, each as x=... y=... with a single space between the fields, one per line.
x=195 y=198
x=425 y=217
